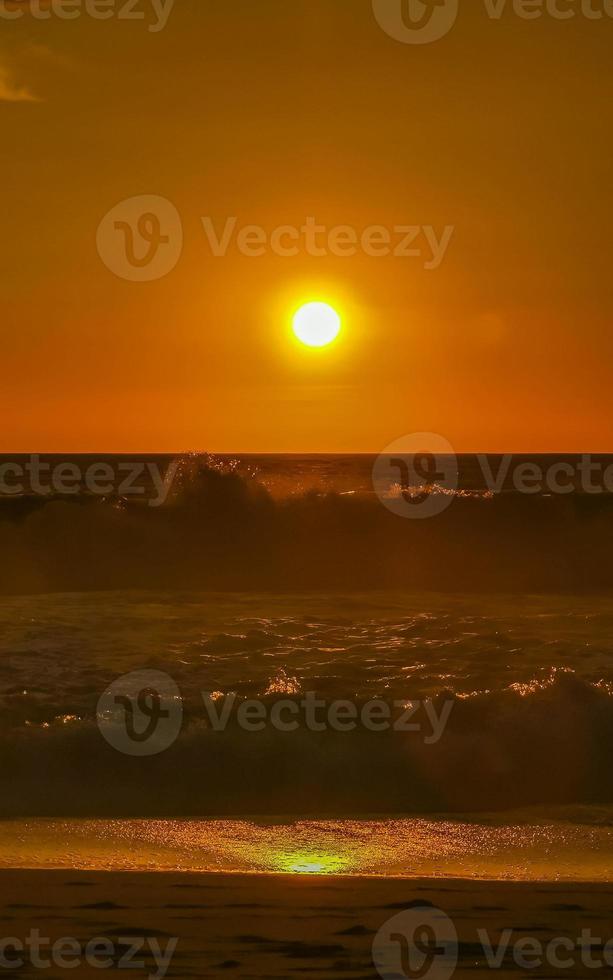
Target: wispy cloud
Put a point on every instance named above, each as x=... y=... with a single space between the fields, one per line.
x=10 y=91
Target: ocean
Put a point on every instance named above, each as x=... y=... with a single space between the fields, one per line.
x=304 y=523
x=332 y=688
x=293 y=474
x=492 y=703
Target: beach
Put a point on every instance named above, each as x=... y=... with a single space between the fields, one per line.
x=290 y=925
x=306 y=490
x=288 y=841
x=323 y=898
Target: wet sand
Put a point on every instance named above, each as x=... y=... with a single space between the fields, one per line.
x=274 y=926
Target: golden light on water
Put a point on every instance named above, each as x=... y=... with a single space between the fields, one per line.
x=413 y=847
x=316 y=324
x=310 y=863
x=307 y=869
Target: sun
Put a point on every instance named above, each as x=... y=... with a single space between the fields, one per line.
x=316 y=324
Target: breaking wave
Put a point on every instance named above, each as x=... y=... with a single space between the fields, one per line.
x=222 y=529
x=548 y=744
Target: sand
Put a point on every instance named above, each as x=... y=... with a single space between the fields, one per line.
x=265 y=926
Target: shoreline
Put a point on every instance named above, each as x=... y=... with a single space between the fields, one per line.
x=432 y=882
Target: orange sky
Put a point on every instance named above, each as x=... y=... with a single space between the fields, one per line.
x=272 y=112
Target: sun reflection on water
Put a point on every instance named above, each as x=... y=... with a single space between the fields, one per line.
x=309 y=863
x=415 y=847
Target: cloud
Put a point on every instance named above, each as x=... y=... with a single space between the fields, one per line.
x=11 y=92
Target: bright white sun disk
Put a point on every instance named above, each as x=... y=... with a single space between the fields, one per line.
x=317 y=324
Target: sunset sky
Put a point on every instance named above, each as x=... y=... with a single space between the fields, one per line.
x=273 y=111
